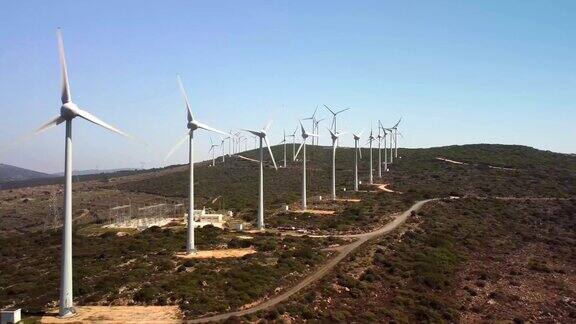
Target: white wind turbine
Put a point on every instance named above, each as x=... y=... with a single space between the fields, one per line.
x=357 y=150
x=334 y=136
x=395 y=135
x=385 y=146
x=222 y=147
x=305 y=136
x=261 y=134
x=334 y=114
x=370 y=140
x=193 y=124
x=284 y=142
x=379 y=138
x=313 y=119
x=293 y=135
x=68 y=111
x=213 y=150
x=316 y=129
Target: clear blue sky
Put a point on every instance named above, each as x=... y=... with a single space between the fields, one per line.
x=457 y=71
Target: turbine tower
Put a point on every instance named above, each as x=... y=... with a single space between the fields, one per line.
x=305 y=136
x=317 y=129
x=68 y=111
x=334 y=114
x=334 y=136
x=357 y=150
x=261 y=134
x=192 y=125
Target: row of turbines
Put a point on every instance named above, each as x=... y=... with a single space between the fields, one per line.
x=70 y=110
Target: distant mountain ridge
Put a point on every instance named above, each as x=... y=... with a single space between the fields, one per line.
x=10 y=173
x=92 y=171
x=14 y=173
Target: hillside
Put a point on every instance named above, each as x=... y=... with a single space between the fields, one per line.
x=13 y=173
x=466 y=259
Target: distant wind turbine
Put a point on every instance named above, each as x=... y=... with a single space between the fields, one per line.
x=261 y=134
x=305 y=136
x=334 y=136
x=193 y=124
x=284 y=143
x=334 y=115
x=357 y=150
x=370 y=140
x=293 y=135
x=213 y=150
x=68 y=111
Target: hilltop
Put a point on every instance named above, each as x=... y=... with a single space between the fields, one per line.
x=443 y=264
x=12 y=173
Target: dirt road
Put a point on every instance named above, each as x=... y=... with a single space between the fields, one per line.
x=323 y=270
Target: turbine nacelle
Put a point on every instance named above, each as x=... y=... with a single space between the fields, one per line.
x=69 y=110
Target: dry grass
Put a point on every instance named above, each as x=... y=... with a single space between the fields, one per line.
x=217 y=254
x=119 y=314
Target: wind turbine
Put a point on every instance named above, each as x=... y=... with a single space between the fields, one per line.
x=68 y=111
x=356 y=151
x=305 y=136
x=370 y=140
x=379 y=137
x=334 y=136
x=385 y=146
x=317 y=129
x=192 y=125
x=213 y=150
x=222 y=140
x=395 y=134
x=334 y=114
x=261 y=134
x=284 y=142
x=293 y=135
x=313 y=119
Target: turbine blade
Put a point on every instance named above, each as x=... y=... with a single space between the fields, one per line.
x=343 y=110
x=66 y=97
x=298 y=152
x=93 y=119
x=208 y=128
x=313 y=135
x=330 y=110
x=268 y=125
x=257 y=133
x=56 y=121
x=270 y=151
x=360 y=152
x=183 y=91
x=178 y=144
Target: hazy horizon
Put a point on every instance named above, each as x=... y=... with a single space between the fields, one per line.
x=457 y=73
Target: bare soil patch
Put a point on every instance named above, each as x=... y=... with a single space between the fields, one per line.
x=119 y=314
x=217 y=254
x=315 y=211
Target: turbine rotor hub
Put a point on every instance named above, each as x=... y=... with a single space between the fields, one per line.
x=69 y=110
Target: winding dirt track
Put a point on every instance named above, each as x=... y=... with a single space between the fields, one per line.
x=323 y=270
